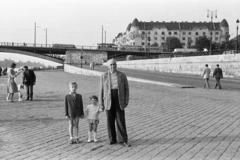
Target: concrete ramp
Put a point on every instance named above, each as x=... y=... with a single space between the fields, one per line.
x=31 y=54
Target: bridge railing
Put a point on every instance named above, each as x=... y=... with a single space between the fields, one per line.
x=13 y=44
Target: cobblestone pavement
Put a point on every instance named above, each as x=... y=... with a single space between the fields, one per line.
x=163 y=123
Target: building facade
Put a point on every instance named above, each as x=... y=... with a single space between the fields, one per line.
x=156 y=33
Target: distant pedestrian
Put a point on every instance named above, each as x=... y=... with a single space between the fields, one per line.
x=0 y=71
x=92 y=111
x=73 y=111
x=218 y=75
x=11 y=83
x=29 y=80
x=206 y=75
x=92 y=65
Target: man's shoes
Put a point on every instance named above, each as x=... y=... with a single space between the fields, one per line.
x=112 y=142
x=125 y=144
x=27 y=99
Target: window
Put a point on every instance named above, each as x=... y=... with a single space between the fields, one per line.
x=162 y=44
x=163 y=38
x=155 y=38
x=149 y=32
x=142 y=38
x=216 y=33
x=189 y=33
x=143 y=32
x=184 y=33
x=163 y=33
x=143 y=43
x=148 y=44
x=175 y=33
x=216 y=39
x=210 y=33
x=183 y=38
x=196 y=33
x=204 y=33
x=155 y=33
x=169 y=33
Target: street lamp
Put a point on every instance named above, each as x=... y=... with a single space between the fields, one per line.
x=211 y=15
x=46 y=36
x=237 y=35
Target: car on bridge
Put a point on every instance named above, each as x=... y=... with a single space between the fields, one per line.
x=63 y=46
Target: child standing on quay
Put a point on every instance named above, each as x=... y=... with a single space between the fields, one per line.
x=73 y=111
x=92 y=111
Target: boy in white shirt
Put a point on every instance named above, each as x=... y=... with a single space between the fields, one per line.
x=92 y=111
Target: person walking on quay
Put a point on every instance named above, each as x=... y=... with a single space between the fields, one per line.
x=11 y=82
x=218 y=75
x=206 y=75
x=114 y=97
x=0 y=71
x=73 y=111
x=92 y=111
x=29 y=80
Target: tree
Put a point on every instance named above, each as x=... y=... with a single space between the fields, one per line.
x=202 y=42
x=172 y=43
x=155 y=44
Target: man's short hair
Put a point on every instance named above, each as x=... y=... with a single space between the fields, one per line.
x=206 y=65
x=73 y=84
x=218 y=65
x=26 y=67
x=112 y=61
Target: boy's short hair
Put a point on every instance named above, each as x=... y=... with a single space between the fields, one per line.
x=73 y=84
x=94 y=97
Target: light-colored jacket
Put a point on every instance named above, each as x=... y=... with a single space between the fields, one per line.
x=206 y=73
x=105 y=90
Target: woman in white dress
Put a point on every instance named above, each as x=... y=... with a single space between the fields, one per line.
x=11 y=84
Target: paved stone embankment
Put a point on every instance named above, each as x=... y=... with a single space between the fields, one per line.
x=162 y=122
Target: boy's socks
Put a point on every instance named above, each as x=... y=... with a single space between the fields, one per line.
x=89 y=136
x=95 y=136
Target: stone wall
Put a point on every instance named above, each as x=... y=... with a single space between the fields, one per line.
x=230 y=64
x=73 y=56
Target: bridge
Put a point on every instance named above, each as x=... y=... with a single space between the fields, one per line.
x=51 y=52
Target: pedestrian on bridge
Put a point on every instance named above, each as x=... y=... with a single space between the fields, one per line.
x=218 y=75
x=206 y=75
x=114 y=97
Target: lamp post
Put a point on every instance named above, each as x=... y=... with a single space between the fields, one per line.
x=46 y=36
x=35 y=34
x=211 y=16
x=237 y=36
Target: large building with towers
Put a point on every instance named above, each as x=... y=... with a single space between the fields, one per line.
x=155 y=33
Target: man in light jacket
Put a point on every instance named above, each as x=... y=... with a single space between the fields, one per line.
x=114 y=97
x=206 y=75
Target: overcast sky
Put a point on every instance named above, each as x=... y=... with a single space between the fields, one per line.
x=80 y=22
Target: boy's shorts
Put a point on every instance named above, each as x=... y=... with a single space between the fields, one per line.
x=93 y=121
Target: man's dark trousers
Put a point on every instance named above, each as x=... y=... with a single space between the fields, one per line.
x=29 y=89
x=218 y=83
x=118 y=115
